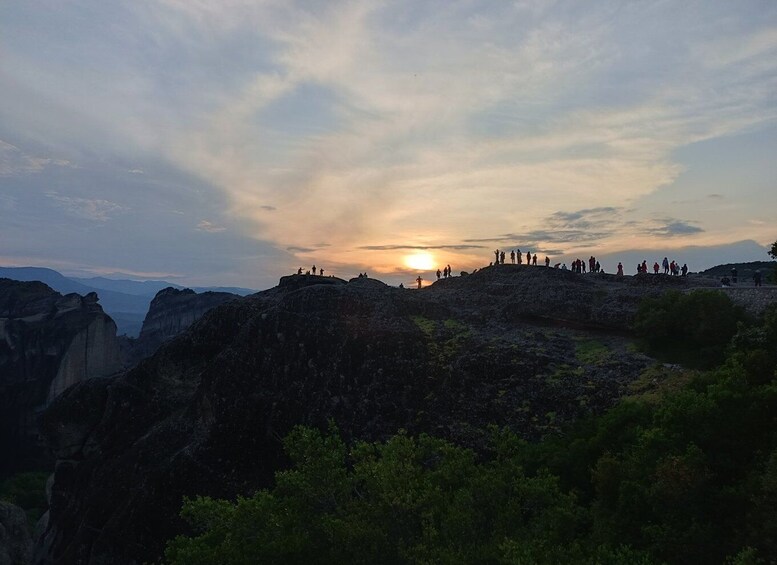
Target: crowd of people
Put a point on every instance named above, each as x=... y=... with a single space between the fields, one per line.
x=581 y=266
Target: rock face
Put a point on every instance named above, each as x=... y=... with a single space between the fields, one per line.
x=48 y=342
x=171 y=312
x=15 y=541
x=526 y=347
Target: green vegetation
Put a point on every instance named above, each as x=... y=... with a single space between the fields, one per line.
x=685 y=475
x=692 y=328
x=444 y=339
x=27 y=491
x=592 y=352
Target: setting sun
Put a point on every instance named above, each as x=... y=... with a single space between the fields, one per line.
x=420 y=261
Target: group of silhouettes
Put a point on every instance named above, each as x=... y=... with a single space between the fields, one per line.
x=516 y=257
x=445 y=273
x=725 y=281
x=320 y=271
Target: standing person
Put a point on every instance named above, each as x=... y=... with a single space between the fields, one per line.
x=518 y=256
x=734 y=275
x=321 y=272
x=547 y=261
x=534 y=260
x=685 y=269
x=502 y=257
x=528 y=257
x=655 y=268
x=450 y=273
x=512 y=256
x=597 y=267
x=439 y=274
x=757 y=278
x=419 y=280
x=620 y=269
x=496 y=256
x=665 y=263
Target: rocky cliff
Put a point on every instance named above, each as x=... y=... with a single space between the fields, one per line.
x=48 y=342
x=526 y=347
x=171 y=312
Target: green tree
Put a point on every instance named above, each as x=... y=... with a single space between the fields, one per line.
x=692 y=328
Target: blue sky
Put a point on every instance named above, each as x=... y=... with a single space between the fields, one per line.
x=229 y=142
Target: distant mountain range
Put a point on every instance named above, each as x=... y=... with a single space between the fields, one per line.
x=124 y=300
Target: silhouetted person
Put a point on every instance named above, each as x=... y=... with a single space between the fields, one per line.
x=496 y=256
x=401 y=285
x=450 y=273
x=620 y=269
x=655 y=268
x=518 y=256
x=734 y=275
x=684 y=269
x=547 y=261
x=757 y=278
x=512 y=256
x=564 y=267
x=502 y=257
x=665 y=263
x=299 y=271
x=439 y=274
x=321 y=272
x=528 y=257
x=597 y=267
x=419 y=280
x=314 y=269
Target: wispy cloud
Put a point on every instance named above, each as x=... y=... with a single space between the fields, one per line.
x=210 y=227
x=13 y=161
x=95 y=209
x=672 y=228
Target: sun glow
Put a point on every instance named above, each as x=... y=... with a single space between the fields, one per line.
x=420 y=261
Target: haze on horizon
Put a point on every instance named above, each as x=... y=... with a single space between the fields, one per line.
x=230 y=142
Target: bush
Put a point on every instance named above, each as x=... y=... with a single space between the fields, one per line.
x=692 y=328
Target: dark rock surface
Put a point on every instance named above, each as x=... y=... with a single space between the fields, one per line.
x=15 y=541
x=48 y=342
x=526 y=347
x=171 y=312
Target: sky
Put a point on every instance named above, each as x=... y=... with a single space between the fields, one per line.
x=230 y=142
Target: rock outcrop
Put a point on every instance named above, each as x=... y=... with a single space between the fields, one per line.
x=15 y=541
x=171 y=312
x=48 y=342
x=525 y=347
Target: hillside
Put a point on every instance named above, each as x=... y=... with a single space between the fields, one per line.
x=524 y=347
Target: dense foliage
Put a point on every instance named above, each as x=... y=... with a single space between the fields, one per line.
x=689 y=478
x=692 y=328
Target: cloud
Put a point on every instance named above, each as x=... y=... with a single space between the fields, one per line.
x=95 y=209
x=307 y=249
x=673 y=228
x=13 y=161
x=461 y=247
x=371 y=122
x=210 y=227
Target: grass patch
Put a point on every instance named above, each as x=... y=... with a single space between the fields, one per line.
x=660 y=380
x=592 y=352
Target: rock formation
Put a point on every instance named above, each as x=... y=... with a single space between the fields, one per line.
x=525 y=347
x=15 y=541
x=171 y=312
x=48 y=342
